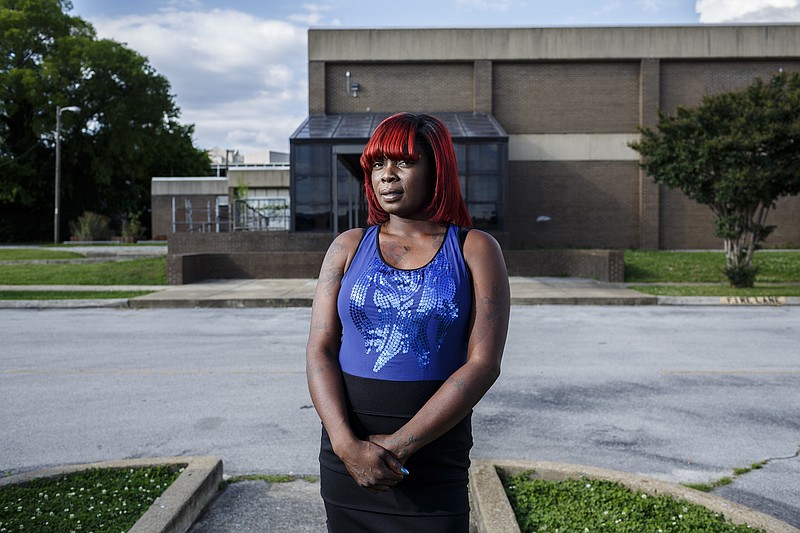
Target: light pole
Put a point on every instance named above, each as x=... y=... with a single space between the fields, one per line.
x=59 y=110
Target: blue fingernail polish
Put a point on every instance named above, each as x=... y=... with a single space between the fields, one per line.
x=403 y=470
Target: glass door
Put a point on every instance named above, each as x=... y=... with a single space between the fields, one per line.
x=351 y=204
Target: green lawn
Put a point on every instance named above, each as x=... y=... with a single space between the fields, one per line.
x=717 y=290
x=151 y=271
x=704 y=267
x=32 y=254
x=69 y=295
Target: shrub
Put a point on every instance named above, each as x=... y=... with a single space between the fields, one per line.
x=90 y=227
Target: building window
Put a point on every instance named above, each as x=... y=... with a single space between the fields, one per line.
x=482 y=175
x=312 y=187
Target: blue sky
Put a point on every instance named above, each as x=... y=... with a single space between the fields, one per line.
x=238 y=67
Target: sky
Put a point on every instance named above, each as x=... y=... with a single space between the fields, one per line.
x=238 y=68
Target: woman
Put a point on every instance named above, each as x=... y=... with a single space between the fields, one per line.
x=408 y=327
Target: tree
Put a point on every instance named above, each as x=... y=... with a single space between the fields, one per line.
x=126 y=131
x=738 y=153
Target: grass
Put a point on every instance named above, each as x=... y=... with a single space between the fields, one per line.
x=152 y=271
x=36 y=254
x=602 y=506
x=642 y=266
x=69 y=295
x=727 y=480
x=93 y=500
x=272 y=478
x=716 y=290
x=657 y=267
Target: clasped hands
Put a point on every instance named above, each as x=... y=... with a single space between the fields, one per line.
x=372 y=464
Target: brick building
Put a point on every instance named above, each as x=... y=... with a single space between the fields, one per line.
x=541 y=119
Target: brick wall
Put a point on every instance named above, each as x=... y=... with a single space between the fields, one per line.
x=193 y=257
x=685 y=224
x=191 y=268
x=602 y=265
x=685 y=82
x=570 y=97
x=592 y=204
x=395 y=87
x=248 y=242
x=253 y=255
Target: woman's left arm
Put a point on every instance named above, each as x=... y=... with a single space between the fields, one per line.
x=487 y=338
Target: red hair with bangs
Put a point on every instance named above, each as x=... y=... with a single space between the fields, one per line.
x=397 y=137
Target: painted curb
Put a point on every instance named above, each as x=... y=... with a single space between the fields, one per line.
x=176 y=509
x=494 y=515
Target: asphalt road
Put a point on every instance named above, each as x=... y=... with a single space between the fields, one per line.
x=684 y=394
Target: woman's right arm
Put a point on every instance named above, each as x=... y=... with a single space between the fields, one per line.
x=370 y=465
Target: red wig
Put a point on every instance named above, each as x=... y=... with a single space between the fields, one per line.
x=397 y=137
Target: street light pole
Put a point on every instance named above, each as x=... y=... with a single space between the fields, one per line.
x=59 y=110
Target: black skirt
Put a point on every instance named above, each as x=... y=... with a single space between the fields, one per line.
x=433 y=496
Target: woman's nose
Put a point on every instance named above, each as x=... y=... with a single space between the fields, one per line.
x=389 y=172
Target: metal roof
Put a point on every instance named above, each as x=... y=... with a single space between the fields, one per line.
x=359 y=127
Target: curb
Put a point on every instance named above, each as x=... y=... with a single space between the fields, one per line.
x=176 y=509
x=493 y=513
x=584 y=300
x=113 y=303
x=216 y=303
x=753 y=301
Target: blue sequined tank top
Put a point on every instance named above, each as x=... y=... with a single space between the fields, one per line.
x=405 y=325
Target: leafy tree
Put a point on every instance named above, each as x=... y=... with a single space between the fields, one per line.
x=738 y=153
x=126 y=131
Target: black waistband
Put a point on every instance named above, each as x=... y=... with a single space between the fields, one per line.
x=388 y=398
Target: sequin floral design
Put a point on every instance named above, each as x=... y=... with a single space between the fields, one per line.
x=406 y=302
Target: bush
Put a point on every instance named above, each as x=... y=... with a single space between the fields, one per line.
x=90 y=227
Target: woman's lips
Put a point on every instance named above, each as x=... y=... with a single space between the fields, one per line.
x=391 y=195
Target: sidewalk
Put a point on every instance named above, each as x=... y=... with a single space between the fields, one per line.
x=300 y=292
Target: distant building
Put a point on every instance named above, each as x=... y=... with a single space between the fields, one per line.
x=248 y=193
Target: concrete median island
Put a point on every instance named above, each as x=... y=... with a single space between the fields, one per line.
x=178 y=506
x=493 y=513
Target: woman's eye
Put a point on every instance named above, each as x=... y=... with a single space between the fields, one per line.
x=377 y=164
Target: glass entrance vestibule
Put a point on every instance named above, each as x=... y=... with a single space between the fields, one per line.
x=327 y=183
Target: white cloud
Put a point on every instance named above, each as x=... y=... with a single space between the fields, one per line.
x=717 y=11
x=237 y=77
